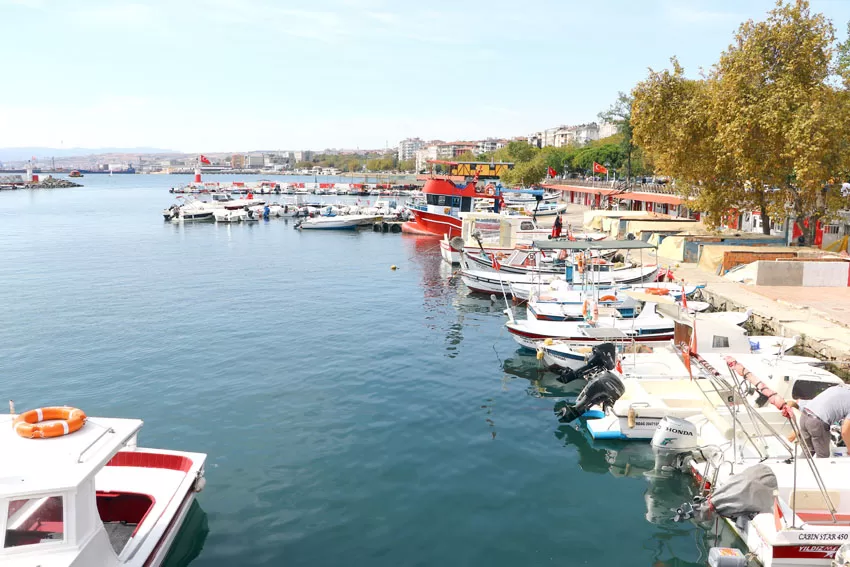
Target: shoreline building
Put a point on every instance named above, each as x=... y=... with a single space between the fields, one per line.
x=407 y=148
x=580 y=135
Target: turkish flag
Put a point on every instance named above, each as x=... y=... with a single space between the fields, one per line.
x=496 y=264
x=598 y=168
x=552 y=172
x=205 y=160
x=798 y=232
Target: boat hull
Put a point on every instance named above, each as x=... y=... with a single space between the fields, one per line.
x=437 y=224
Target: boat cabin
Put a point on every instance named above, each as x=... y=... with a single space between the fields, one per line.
x=49 y=505
x=499 y=231
x=90 y=498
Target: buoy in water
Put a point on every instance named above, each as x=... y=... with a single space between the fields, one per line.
x=393 y=267
x=493 y=297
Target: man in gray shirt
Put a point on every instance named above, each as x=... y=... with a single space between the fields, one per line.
x=830 y=406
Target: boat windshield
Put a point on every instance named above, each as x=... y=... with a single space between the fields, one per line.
x=35 y=520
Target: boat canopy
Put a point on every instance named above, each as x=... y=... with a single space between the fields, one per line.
x=592 y=244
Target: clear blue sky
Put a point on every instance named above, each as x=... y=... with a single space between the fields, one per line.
x=221 y=75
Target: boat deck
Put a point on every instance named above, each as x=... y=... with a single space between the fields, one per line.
x=119 y=534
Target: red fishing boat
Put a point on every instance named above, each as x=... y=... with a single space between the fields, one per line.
x=449 y=195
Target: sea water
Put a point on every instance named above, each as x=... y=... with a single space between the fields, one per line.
x=352 y=414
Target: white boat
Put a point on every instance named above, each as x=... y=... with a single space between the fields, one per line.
x=328 y=223
x=90 y=498
x=227 y=215
x=789 y=509
x=339 y=222
x=192 y=211
x=647 y=328
x=645 y=403
x=483 y=281
x=539 y=210
x=495 y=233
x=715 y=336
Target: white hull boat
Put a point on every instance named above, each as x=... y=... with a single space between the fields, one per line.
x=647 y=328
x=90 y=497
x=329 y=223
x=645 y=403
x=791 y=510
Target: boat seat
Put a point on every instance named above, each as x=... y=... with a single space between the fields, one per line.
x=813 y=501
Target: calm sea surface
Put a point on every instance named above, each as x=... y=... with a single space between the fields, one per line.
x=353 y=415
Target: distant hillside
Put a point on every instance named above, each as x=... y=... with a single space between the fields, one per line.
x=17 y=154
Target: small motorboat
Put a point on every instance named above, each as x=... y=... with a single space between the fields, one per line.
x=78 y=491
x=330 y=223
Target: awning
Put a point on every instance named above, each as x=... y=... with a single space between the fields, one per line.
x=592 y=245
x=576 y=189
x=661 y=198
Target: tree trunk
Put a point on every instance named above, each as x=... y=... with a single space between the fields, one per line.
x=765 y=219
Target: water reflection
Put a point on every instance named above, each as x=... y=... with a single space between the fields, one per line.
x=673 y=544
x=190 y=540
x=446 y=300
x=542 y=382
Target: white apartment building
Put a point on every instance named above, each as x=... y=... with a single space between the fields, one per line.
x=304 y=155
x=254 y=161
x=568 y=135
x=607 y=129
x=407 y=148
x=425 y=154
x=489 y=145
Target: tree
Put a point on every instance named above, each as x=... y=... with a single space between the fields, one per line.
x=620 y=114
x=516 y=151
x=767 y=127
x=407 y=165
x=527 y=173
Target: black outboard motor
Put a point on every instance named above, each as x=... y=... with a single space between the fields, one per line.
x=603 y=389
x=602 y=357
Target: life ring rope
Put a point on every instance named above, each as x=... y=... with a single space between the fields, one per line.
x=63 y=421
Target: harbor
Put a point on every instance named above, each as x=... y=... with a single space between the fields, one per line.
x=502 y=409
x=380 y=323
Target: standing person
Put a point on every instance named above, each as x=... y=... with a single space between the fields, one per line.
x=556 y=228
x=830 y=406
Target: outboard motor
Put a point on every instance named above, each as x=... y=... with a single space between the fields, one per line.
x=673 y=441
x=603 y=389
x=602 y=357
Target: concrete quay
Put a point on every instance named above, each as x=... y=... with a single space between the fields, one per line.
x=820 y=316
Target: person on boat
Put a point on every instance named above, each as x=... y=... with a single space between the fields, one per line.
x=557 y=227
x=830 y=406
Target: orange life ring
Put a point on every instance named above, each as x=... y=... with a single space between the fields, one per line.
x=608 y=298
x=491 y=189
x=657 y=290
x=64 y=420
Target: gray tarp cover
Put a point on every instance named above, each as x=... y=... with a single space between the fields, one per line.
x=748 y=492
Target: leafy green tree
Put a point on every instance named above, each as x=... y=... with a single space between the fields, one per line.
x=407 y=165
x=620 y=114
x=527 y=173
x=768 y=127
x=516 y=152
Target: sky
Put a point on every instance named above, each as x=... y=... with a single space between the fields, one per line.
x=242 y=75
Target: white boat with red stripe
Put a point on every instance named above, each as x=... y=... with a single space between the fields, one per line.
x=92 y=497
